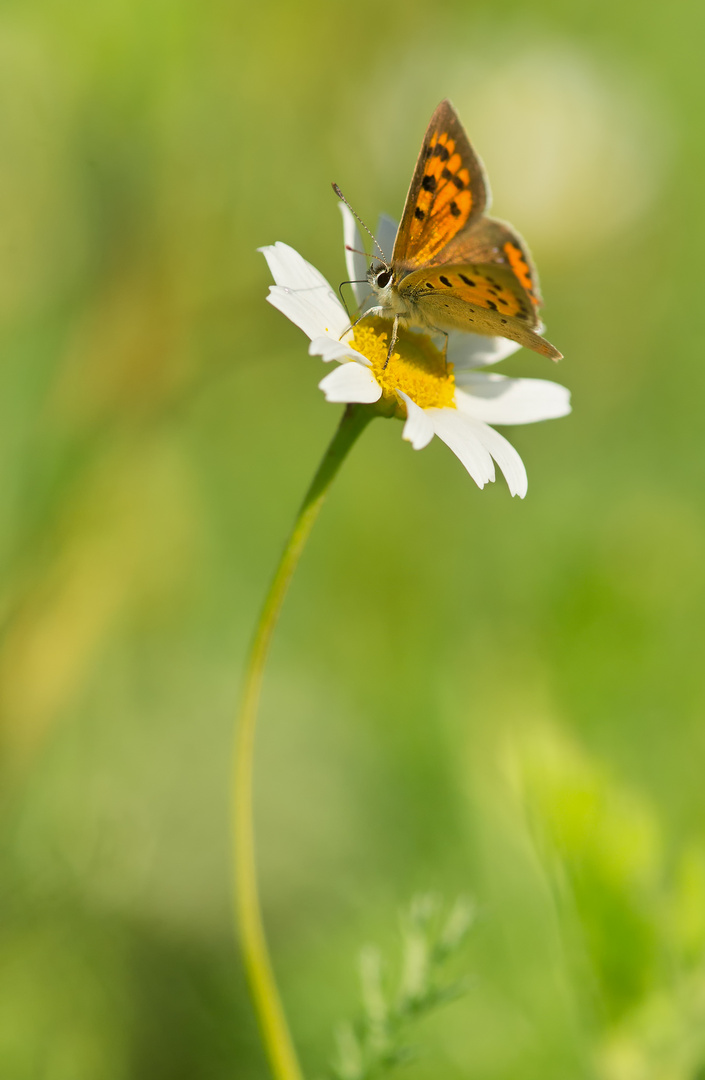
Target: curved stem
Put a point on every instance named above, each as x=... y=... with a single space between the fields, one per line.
x=265 y=996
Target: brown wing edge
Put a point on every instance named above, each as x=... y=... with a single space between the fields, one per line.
x=539 y=344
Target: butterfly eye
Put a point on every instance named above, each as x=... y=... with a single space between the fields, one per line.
x=384 y=278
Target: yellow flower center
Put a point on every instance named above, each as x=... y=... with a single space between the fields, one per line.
x=416 y=366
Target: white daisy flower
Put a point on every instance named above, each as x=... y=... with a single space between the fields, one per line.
x=455 y=401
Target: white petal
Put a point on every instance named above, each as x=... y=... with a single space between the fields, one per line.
x=290 y=269
x=386 y=234
x=458 y=433
x=303 y=294
x=504 y=454
x=351 y=382
x=497 y=399
x=356 y=264
x=330 y=349
x=418 y=429
x=476 y=350
x=310 y=311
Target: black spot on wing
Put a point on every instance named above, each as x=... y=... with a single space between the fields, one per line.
x=491 y=304
x=448 y=175
x=440 y=151
x=418 y=213
x=429 y=182
x=445 y=281
x=468 y=281
x=455 y=209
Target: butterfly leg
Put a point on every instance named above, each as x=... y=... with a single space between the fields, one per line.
x=445 y=351
x=364 y=315
x=437 y=330
x=392 y=340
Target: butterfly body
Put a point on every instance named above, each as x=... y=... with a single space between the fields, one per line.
x=452 y=267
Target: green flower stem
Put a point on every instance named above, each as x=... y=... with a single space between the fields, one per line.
x=265 y=996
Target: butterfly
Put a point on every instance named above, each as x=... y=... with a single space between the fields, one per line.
x=453 y=268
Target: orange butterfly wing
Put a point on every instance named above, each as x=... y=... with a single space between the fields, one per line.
x=478 y=297
x=448 y=192
x=497 y=244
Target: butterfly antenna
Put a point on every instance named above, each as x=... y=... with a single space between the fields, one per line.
x=342 y=198
x=340 y=287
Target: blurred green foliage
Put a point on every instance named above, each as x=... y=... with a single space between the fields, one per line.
x=395 y=995
x=467 y=693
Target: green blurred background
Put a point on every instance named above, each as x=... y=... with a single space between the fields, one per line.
x=467 y=693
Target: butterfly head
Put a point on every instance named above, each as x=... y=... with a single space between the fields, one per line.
x=380 y=277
